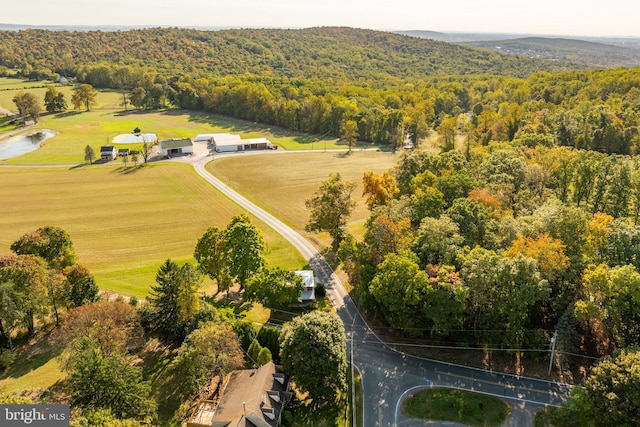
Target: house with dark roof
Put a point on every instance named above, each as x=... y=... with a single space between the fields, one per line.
x=250 y=398
x=108 y=152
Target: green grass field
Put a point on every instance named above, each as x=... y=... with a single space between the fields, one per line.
x=106 y=99
x=464 y=407
x=281 y=182
x=124 y=223
x=99 y=127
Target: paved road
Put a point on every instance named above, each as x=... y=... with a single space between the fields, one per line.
x=389 y=376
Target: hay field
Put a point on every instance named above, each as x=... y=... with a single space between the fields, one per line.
x=124 y=224
x=281 y=182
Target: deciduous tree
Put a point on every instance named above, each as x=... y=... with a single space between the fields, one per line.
x=54 y=101
x=97 y=380
x=84 y=95
x=274 y=287
x=52 y=244
x=28 y=105
x=80 y=286
x=379 y=189
x=244 y=246
x=313 y=352
x=28 y=273
x=612 y=392
x=330 y=208
x=212 y=258
x=212 y=350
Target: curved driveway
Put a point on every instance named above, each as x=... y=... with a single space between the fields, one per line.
x=388 y=376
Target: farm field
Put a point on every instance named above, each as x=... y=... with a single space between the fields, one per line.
x=106 y=99
x=280 y=183
x=124 y=222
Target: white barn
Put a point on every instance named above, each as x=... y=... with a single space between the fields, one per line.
x=167 y=147
x=236 y=144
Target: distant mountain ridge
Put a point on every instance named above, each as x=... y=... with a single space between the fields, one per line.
x=598 y=52
x=340 y=53
x=577 y=51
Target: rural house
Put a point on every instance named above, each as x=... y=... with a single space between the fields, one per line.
x=167 y=147
x=108 y=152
x=250 y=398
x=308 y=294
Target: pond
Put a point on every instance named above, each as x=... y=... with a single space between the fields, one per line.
x=22 y=144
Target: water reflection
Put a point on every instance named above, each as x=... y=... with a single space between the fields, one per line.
x=22 y=144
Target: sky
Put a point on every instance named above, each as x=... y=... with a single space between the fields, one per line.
x=552 y=17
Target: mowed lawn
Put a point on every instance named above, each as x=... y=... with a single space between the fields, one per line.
x=124 y=222
x=77 y=129
x=281 y=182
x=106 y=99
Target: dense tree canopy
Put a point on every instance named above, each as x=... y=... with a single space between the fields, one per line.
x=313 y=352
x=52 y=244
x=274 y=287
x=211 y=351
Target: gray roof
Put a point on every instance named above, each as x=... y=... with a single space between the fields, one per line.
x=176 y=143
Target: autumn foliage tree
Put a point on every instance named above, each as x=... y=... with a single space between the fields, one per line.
x=213 y=350
x=378 y=189
x=331 y=206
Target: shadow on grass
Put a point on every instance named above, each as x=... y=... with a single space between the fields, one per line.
x=306 y=415
x=23 y=365
x=67 y=114
x=128 y=170
x=231 y=302
x=168 y=388
x=125 y=113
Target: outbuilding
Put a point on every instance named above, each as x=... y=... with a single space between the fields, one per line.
x=230 y=143
x=308 y=294
x=226 y=142
x=108 y=152
x=167 y=147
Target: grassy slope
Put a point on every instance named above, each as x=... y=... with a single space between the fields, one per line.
x=123 y=225
x=282 y=182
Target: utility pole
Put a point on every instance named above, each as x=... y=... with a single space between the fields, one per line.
x=553 y=351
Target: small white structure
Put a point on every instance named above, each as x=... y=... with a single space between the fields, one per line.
x=108 y=152
x=308 y=294
x=167 y=147
x=204 y=137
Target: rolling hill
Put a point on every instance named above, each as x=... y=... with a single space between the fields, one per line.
x=569 y=50
x=337 y=53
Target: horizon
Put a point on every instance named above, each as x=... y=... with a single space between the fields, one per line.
x=588 y=18
x=122 y=27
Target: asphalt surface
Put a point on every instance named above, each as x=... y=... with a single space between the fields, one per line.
x=389 y=376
